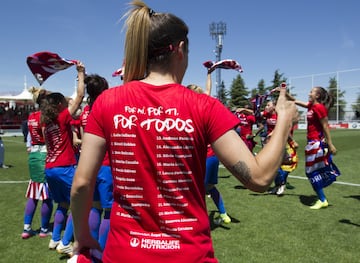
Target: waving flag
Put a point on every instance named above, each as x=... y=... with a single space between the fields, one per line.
x=44 y=64
x=258 y=101
x=118 y=72
x=224 y=64
x=319 y=166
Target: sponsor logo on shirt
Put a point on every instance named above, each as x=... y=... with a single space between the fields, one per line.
x=153 y=123
x=155 y=244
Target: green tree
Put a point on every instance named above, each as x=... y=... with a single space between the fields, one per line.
x=259 y=90
x=276 y=82
x=239 y=95
x=356 y=108
x=336 y=112
x=223 y=94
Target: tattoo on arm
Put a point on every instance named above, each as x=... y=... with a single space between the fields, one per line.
x=241 y=171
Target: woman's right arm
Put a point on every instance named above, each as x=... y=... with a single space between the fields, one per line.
x=257 y=172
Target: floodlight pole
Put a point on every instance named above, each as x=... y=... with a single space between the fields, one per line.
x=217 y=32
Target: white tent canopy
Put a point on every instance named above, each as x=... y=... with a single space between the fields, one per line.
x=24 y=95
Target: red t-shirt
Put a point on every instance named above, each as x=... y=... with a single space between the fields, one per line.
x=246 y=123
x=210 y=152
x=157 y=137
x=60 y=151
x=75 y=123
x=84 y=115
x=35 y=129
x=271 y=119
x=83 y=120
x=315 y=113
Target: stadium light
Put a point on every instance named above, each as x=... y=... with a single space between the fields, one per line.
x=217 y=32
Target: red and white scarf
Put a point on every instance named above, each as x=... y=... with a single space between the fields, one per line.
x=44 y=64
x=224 y=64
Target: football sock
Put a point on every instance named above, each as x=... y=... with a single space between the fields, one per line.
x=68 y=232
x=104 y=229
x=94 y=222
x=59 y=220
x=29 y=211
x=320 y=194
x=216 y=197
x=46 y=211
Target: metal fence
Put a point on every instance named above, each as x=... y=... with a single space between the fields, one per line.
x=347 y=81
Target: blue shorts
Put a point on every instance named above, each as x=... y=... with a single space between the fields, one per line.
x=104 y=187
x=60 y=180
x=212 y=170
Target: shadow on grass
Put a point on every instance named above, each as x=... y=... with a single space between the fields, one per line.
x=64 y=258
x=347 y=221
x=353 y=196
x=304 y=199
x=289 y=186
x=224 y=176
x=241 y=187
x=308 y=200
x=215 y=221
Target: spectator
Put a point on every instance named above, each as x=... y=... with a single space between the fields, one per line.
x=24 y=129
x=2 y=155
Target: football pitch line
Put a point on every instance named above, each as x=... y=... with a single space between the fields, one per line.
x=305 y=178
x=220 y=166
x=14 y=182
x=291 y=176
x=5 y=139
x=336 y=182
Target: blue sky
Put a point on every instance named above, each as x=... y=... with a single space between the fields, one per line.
x=298 y=38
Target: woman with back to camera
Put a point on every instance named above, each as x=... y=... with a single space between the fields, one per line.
x=38 y=188
x=156 y=132
x=103 y=194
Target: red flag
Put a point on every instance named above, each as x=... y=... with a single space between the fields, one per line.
x=118 y=72
x=225 y=64
x=259 y=100
x=44 y=64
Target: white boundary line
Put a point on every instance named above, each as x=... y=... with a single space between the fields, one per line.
x=305 y=178
x=13 y=182
x=221 y=166
x=336 y=182
x=13 y=141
